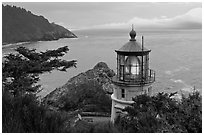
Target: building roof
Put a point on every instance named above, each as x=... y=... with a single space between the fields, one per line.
x=133 y=46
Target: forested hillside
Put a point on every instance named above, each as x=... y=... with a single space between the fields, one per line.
x=19 y=25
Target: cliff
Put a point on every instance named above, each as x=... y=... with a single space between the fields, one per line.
x=88 y=91
x=19 y=25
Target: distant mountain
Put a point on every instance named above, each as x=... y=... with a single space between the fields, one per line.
x=19 y=25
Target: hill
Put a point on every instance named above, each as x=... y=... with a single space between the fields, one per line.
x=19 y=25
x=90 y=91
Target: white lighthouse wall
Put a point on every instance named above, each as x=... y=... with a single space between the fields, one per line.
x=113 y=111
x=131 y=92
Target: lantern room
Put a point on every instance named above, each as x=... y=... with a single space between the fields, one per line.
x=133 y=62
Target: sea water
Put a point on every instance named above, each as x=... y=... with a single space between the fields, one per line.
x=176 y=56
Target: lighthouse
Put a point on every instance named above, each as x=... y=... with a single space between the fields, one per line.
x=134 y=76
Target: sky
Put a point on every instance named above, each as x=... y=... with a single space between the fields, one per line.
x=115 y=15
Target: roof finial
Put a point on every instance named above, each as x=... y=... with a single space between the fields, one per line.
x=132 y=34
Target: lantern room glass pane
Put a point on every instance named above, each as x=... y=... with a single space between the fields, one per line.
x=132 y=65
x=121 y=76
x=122 y=59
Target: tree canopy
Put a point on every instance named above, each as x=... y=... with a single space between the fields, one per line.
x=21 y=71
x=21 y=111
x=162 y=113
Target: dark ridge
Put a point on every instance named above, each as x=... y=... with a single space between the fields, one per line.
x=19 y=25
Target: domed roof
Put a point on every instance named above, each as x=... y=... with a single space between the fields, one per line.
x=133 y=46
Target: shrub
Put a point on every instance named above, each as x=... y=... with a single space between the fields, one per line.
x=161 y=113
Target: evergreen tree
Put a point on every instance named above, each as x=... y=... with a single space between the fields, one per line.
x=21 y=71
x=162 y=113
x=21 y=111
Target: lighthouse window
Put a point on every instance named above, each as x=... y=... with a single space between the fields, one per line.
x=122 y=58
x=149 y=90
x=121 y=72
x=132 y=65
x=123 y=93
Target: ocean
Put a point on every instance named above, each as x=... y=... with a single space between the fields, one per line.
x=176 y=56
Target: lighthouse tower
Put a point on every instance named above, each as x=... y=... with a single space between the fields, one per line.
x=134 y=77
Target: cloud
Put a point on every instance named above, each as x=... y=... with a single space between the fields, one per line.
x=190 y=20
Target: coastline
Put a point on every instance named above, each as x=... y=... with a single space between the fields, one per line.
x=18 y=43
x=5 y=45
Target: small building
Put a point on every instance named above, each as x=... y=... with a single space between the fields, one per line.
x=134 y=77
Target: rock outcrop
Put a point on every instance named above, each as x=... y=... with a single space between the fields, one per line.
x=82 y=88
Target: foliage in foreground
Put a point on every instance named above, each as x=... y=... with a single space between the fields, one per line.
x=25 y=115
x=21 y=71
x=161 y=113
x=21 y=111
x=157 y=114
